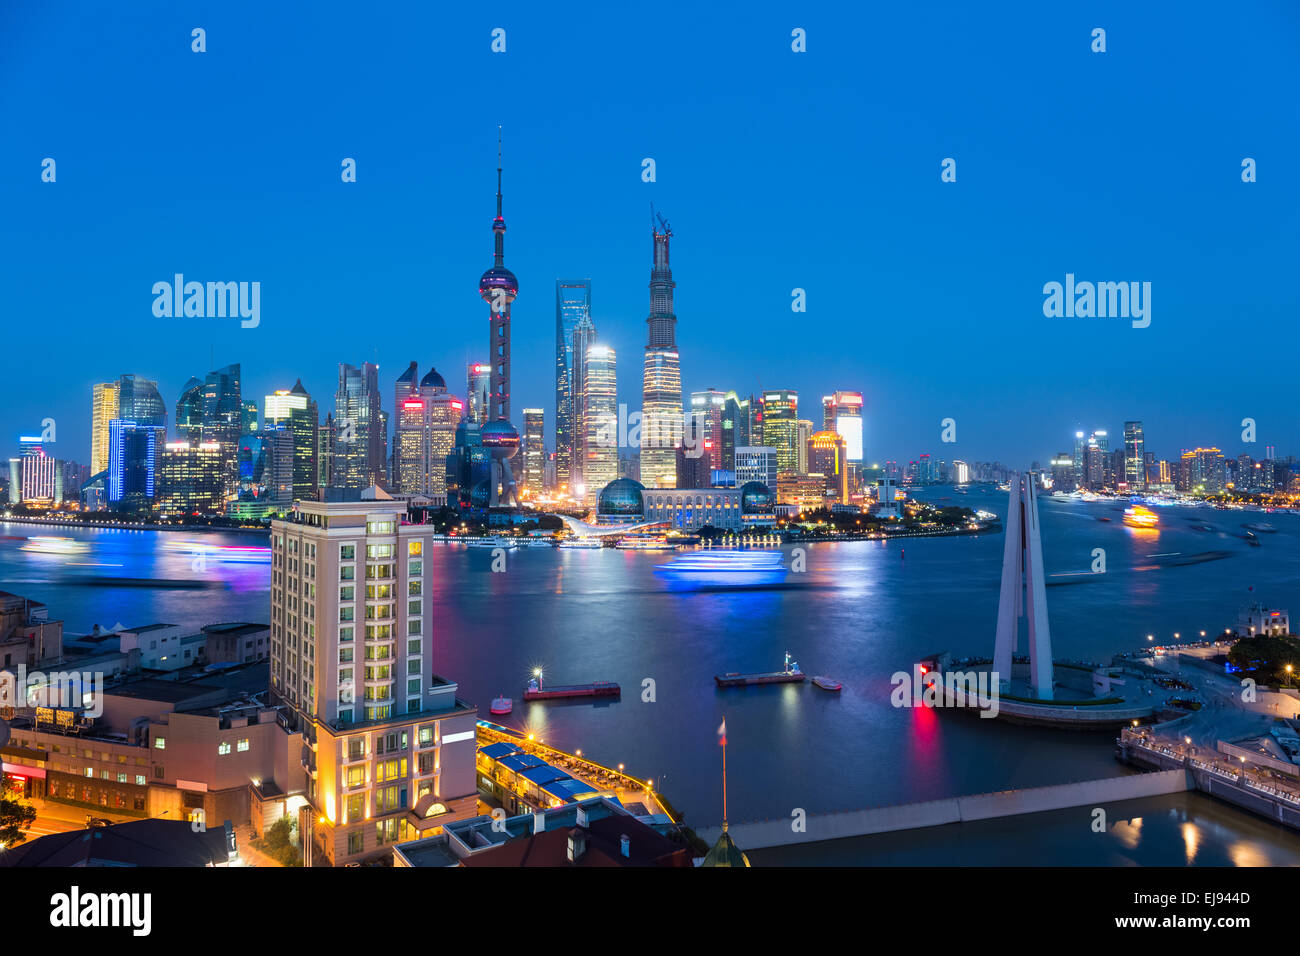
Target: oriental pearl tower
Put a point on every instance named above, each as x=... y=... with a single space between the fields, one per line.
x=498 y=287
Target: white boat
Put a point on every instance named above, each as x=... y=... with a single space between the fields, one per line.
x=501 y=706
x=539 y=542
x=726 y=568
x=498 y=542
x=582 y=543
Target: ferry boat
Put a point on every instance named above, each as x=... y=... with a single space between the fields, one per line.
x=501 y=706
x=500 y=541
x=582 y=543
x=728 y=568
x=1140 y=517
x=51 y=545
x=539 y=542
x=638 y=542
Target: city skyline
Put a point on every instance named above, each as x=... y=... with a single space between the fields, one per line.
x=392 y=252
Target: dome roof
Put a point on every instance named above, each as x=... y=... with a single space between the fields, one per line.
x=433 y=380
x=621 y=498
x=755 y=498
x=725 y=852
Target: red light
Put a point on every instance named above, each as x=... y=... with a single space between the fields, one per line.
x=924 y=669
x=457 y=405
x=413 y=404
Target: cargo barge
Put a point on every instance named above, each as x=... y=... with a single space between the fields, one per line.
x=600 y=688
x=791 y=675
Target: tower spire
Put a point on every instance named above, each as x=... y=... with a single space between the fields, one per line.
x=499 y=224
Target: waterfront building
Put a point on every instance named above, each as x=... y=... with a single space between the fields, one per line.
x=842 y=414
x=600 y=416
x=296 y=410
x=729 y=509
x=358 y=440
x=827 y=454
x=960 y=472
x=1256 y=619
x=693 y=468
x=479 y=387
x=103 y=409
x=707 y=410
x=40 y=480
x=1063 y=472
x=781 y=427
x=390 y=745
x=534 y=451
x=803 y=432
x=756 y=463
x=132 y=464
x=190 y=481
x=572 y=305
x=1134 y=456
x=661 y=383
x=1203 y=471
x=427 y=420
x=803 y=491
x=469 y=472
x=27 y=635
x=278 y=472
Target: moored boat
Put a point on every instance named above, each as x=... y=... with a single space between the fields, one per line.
x=828 y=683
x=501 y=705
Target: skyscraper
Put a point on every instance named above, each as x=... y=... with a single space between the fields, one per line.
x=803 y=432
x=661 y=390
x=781 y=427
x=479 y=380
x=132 y=463
x=189 y=480
x=842 y=414
x=572 y=304
x=103 y=409
x=296 y=410
x=827 y=455
x=584 y=336
x=189 y=412
x=600 y=412
x=358 y=436
x=498 y=287
x=426 y=434
x=534 y=451
x=1134 y=456
x=138 y=401
x=223 y=419
x=707 y=408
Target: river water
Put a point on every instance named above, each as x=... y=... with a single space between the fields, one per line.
x=861 y=612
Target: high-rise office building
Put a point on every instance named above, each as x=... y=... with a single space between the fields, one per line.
x=390 y=747
x=189 y=480
x=189 y=412
x=296 y=410
x=534 y=451
x=426 y=434
x=103 y=409
x=223 y=419
x=707 y=410
x=756 y=463
x=600 y=413
x=842 y=414
x=138 y=401
x=1134 y=456
x=828 y=456
x=133 y=464
x=479 y=382
x=41 y=478
x=1096 y=460
x=803 y=432
x=584 y=336
x=735 y=428
x=781 y=427
x=661 y=384
x=572 y=305
x=359 y=452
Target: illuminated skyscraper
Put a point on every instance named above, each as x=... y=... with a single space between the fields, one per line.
x=223 y=419
x=358 y=460
x=735 y=428
x=189 y=412
x=103 y=409
x=534 y=451
x=842 y=414
x=132 y=463
x=584 y=336
x=296 y=411
x=426 y=435
x=572 y=305
x=600 y=402
x=661 y=390
x=1134 y=456
x=827 y=455
x=707 y=409
x=189 y=480
x=781 y=427
x=479 y=380
x=803 y=432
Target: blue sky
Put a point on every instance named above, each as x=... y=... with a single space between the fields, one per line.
x=777 y=170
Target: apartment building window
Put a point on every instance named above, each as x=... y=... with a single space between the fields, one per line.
x=347 y=572
x=356 y=776
x=386 y=830
x=413 y=647
x=413 y=588
x=121 y=778
x=413 y=626
x=414 y=608
x=413 y=705
x=354 y=807
x=426 y=736
x=347 y=594
x=90 y=771
x=356 y=841
x=345 y=633
x=160 y=743
x=140 y=780
x=380 y=527
x=347 y=552
x=223 y=748
x=242 y=744
x=379 y=551
x=345 y=716
x=413 y=667
x=415 y=548
x=356 y=748
x=413 y=685
x=348 y=613
x=415 y=568
x=345 y=655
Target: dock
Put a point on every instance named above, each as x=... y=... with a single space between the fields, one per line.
x=568 y=691
x=746 y=680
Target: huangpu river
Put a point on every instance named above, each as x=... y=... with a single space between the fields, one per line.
x=859 y=613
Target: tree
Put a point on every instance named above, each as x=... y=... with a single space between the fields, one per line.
x=15 y=817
